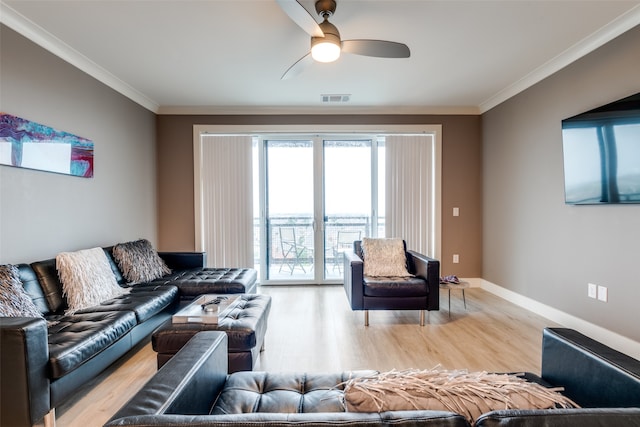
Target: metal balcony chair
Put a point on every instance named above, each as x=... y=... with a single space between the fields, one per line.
x=292 y=251
x=344 y=242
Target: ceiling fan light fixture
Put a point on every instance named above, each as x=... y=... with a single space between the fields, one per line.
x=324 y=50
x=327 y=48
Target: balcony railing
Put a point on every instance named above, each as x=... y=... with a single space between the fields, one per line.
x=295 y=259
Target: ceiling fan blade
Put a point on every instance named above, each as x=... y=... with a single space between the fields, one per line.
x=301 y=16
x=299 y=66
x=377 y=48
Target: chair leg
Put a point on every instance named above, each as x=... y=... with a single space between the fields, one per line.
x=50 y=418
x=421 y=317
x=366 y=318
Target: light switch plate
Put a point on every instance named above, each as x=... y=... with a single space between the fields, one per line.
x=603 y=293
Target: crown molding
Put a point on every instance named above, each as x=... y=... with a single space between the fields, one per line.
x=619 y=26
x=297 y=111
x=51 y=43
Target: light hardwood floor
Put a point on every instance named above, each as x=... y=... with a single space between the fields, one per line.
x=312 y=329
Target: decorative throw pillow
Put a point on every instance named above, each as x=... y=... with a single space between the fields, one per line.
x=139 y=261
x=87 y=279
x=14 y=300
x=467 y=393
x=384 y=257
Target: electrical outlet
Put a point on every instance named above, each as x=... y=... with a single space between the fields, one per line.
x=456 y=258
x=603 y=293
x=456 y=211
x=592 y=291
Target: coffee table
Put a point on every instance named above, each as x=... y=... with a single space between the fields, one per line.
x=244 y=320
x=462 y=286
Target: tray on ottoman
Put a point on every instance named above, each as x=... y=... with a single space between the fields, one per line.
x=206 y=309
x=244 y=321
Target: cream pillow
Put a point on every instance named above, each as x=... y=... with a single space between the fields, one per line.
x=384 y=257
x=87 y=279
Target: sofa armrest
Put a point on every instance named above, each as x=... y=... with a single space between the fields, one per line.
x=592 y=374
x=184 y=260
x=353 y=280
x=428 y=269
x=593 y=417
x=189 y=383
x=24 y=381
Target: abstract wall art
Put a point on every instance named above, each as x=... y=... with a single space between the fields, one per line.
x=26 y=144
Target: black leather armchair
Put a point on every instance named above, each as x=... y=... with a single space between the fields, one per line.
x=421 y=292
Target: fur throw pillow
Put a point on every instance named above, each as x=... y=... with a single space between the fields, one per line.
x=87 y=279
x=467 y=393
x=384 y=257
x=139 y=261
x=14 y=300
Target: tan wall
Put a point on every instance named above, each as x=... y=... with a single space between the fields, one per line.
x=461 y=181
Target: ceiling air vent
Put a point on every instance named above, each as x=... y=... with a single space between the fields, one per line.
x=336 y=97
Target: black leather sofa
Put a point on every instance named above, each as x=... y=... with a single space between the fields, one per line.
x=192 y=389
x=43 y=362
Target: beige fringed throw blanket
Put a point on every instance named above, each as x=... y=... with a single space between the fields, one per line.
x=467 y=393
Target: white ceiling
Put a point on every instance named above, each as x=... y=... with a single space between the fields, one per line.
x=227 y=56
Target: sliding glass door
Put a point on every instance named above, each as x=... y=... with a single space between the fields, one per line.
x=289 y=207
x=348 y=214
x=318 y=199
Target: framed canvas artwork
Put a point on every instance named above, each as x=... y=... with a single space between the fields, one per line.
x=30 y=145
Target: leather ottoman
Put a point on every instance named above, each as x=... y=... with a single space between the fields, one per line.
x=245 y=325
x=200 y=281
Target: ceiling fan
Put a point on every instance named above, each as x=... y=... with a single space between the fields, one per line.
x=326 y=44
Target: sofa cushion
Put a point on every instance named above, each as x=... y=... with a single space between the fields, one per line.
x=73 y=340
x=14 y=301
x=32 y=287
x=139 y=261
x=144 y=301
x=384 y=257
x=249 y=392
x=468 y=393
x=395 y=287
x=50 y=283
x=86 y=278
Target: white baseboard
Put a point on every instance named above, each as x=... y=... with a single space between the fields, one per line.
x=605 y=336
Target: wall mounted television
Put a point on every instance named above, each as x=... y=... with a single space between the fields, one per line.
x=601 y=150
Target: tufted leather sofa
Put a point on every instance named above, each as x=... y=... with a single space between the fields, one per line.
x=192 y=389
x=43 y=362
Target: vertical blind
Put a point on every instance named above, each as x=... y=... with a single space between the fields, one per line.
x=226 y=205
x=409 y=190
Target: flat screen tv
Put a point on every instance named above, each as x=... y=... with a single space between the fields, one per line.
x=601 y=150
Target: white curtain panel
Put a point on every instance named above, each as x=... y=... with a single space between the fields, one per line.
x=409 y=190
x=227 y=203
